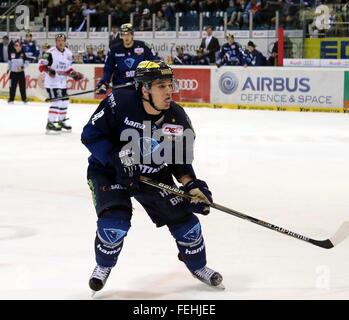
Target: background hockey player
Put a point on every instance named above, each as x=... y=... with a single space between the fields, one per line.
x=114 y=171
x=56 y=63
x=181 y=58
x=123 y=59
x=200 y=59
x=230 y=53
x=253 y=57
x=16 y=64
x=30 y=48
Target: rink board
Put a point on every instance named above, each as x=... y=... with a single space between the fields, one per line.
x=251 y=88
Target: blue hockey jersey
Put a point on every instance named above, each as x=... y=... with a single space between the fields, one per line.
x=122 y=62
x=163 y=141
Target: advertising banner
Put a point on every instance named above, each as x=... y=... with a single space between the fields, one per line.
x=326 y=48
x=270 y=87
x=194 y=84
x=34 y=81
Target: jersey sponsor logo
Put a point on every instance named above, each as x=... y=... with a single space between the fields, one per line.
x=129 y=62
x=139 y=51
x=172 y=129
x=98 y=115
x=130 y=74
x=119 y=54
x=195 y=251
x=147 y=169
x=134 y=124
x=108 y=252
x=188 y=84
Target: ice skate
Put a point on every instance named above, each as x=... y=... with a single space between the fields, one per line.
x=64 y=126
x=53 y=128
x=209 y=277
x=98 y=278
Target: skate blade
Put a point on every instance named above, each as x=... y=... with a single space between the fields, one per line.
x=66 y=131
x=93 y=293
x=53 y=133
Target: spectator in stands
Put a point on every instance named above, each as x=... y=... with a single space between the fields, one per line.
x=4 y=49
x=78 y=57
x=200 y=58
x=253 y=57
x=89 y=56
x=100 y=58
x=210 y=45
x=114 y=37
x=102 y=14
x=209 y=6
x=235 y=14
x=30 y=48
x=181 y=58
x=161 y=23
x=146 y=23
x=77 y=20
x=181 y=6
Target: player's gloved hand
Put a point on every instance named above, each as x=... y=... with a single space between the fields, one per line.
x=51 y=72
x=76 y=75
x=127 y=170
x=203 y=196
x=101 y=88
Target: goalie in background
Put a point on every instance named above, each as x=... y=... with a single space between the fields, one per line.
x=56 y=64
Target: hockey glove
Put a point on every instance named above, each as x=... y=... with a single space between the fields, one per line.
x=101 y=88
x=127 y=171
x=203 y=196
x=76 y=75
x=51 y=72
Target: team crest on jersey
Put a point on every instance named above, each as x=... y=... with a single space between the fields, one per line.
x=113 y=235
x=148 y=145
x=129 y=62
x=139 y=51
x=194 y=233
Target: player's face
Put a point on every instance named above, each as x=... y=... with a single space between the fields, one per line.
x=60 y=43
x=127 y=38
x=161 y=92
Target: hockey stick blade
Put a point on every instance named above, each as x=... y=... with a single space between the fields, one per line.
x=338 y=237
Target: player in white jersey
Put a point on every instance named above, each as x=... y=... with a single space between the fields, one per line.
x=57 y=65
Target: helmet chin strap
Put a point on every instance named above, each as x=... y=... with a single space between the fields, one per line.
x=151 y=102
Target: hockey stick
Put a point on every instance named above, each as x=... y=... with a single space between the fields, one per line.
x=338 y=237
x=128 y=84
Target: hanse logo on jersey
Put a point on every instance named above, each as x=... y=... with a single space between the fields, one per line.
x=139 y=51
x=188 y=84
x=172 y=129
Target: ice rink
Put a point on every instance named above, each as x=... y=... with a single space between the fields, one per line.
x=290 y=169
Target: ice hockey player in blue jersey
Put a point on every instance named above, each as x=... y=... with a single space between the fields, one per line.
x=123 y=59
x=181 y=58
x=30 y=48
x=253 y=57
x=230 y=53
x=137 y=133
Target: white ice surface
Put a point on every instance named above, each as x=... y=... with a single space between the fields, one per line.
x=290 y=169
